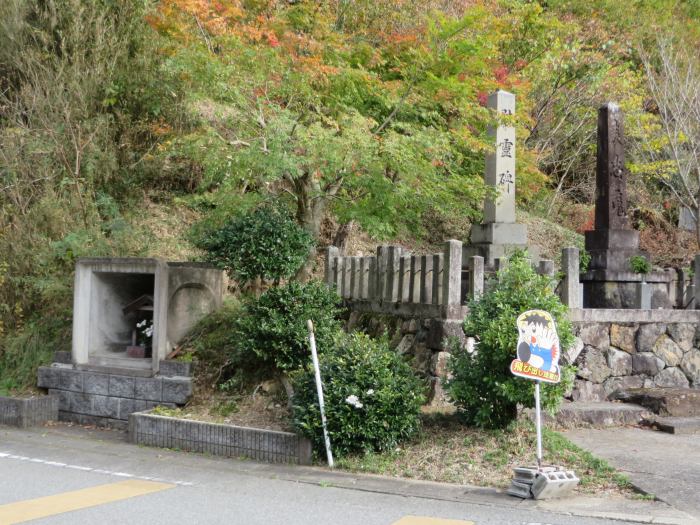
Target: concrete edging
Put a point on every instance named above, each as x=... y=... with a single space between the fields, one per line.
x=218 y=439
x=28 y=412
x=613 y=315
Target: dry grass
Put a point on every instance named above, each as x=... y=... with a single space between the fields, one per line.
x=255 y=410
x=447 y=451
x=164 y=230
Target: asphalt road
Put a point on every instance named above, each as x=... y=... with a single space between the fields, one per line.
x=74 y=476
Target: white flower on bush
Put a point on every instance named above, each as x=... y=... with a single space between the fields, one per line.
x=354 y=401
x=370 y=391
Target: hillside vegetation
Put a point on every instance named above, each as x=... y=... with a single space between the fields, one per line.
x=137 y=128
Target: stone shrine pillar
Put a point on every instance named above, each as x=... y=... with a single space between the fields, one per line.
x=612 y=242
x=610 y=281
x=499 y=235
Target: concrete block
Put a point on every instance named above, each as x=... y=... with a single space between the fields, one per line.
x=48 y=377
x=81 y=403
x=519 y=490
x=28 y=412
x=95 y=383
x=121 y=386
x=556 y=484
x=149 y=389
x=177 y=390
x=62 y=357
x=221 y=440
x=126 y=408
x=104 y=406
x=63 y=398
x=71 y=380
x=87 y=419
x=175 y=369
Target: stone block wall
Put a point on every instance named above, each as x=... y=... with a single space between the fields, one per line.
x=621 y=349
x=108 y=398
x=421 y=340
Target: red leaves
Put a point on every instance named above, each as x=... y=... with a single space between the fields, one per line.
x=272 y=39
x=500 y=73
x=588 y=224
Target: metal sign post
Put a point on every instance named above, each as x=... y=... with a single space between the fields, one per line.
x=538 y=423
x=537 y=359
x=319 y=391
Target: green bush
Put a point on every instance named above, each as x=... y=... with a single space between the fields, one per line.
x=372 y=397
x=273 y=327
x=483 y=388
x=640 y=264
x=265 y=243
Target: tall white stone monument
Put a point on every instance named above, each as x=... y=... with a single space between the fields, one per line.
x=499 y=235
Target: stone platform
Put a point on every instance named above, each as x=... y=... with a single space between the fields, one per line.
x=672 y=402
x=107 y=398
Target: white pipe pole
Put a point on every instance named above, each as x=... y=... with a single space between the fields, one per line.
x=319 y=390
x=538 y=420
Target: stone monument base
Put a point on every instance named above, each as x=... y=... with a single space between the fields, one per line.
x=495 y=240
x=613 y=289
x=505 y=233
x=612 y=249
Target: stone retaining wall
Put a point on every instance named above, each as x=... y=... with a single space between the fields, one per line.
x=614 y=350
x=622 y=349
x=219 y=440
x=108 y=398
x=28 y=412
x=420 y=339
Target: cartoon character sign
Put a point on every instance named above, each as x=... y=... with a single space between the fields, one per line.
x=538 y=347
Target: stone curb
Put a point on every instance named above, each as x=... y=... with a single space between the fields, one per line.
x=583 y=506
x=217 y=439
x=28 y=412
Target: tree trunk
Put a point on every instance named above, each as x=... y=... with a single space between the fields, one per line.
x=340 y=240
x=311 y=207
x=697 y=224
x=288 y=388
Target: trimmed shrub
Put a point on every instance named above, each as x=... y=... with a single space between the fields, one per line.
x=274 y=326
x=482 y=387
x=372 y=397
x=265 y=243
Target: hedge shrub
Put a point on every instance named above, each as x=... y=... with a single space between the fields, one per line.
x=482 y=386
x=372 y=397
x=265 y=243
x=273 y=326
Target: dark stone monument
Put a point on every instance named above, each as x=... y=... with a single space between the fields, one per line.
x=612 y=242
x=610 y=281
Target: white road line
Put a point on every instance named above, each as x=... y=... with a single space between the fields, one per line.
x=7 y=455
